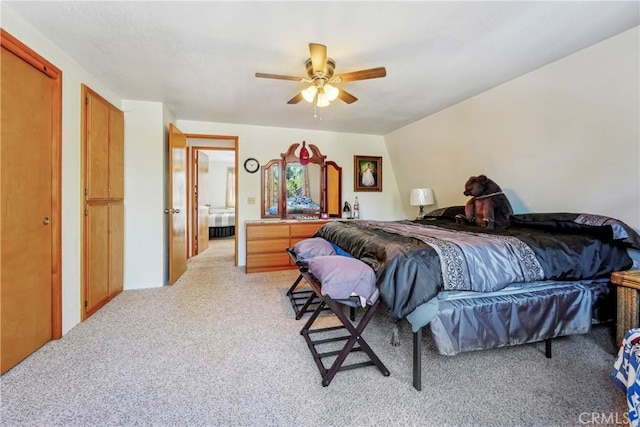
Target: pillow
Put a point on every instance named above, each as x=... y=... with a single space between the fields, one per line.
x=340 y=251
x=446 y=213
x=341 y=277
x=620 y=230
x=312 y=247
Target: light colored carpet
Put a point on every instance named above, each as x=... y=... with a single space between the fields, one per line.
x=222 y=348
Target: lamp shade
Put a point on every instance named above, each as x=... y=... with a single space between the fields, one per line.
x=421 y=197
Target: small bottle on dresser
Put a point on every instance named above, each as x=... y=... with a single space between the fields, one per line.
x=356 y=209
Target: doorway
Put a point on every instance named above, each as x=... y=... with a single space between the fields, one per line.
x=217 y=195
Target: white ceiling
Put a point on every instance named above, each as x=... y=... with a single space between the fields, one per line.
x=199 y=58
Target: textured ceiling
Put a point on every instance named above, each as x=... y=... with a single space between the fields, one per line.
x=199 y=58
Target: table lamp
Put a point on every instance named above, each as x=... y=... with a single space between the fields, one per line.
x=421 y=197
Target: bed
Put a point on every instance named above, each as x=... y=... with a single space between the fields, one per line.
x=222 y=222
x=547 y=275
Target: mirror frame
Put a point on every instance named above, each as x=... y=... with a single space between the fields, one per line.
x=263 y=171
x=315 y=157
x=330 y=177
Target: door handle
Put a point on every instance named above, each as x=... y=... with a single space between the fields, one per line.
x=171 y=211
x=176 y=210
x=46 y=220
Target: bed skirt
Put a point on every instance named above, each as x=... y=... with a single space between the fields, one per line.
x=215 y=232
x=469 y=321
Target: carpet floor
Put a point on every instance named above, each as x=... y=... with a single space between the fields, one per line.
x=222 y=348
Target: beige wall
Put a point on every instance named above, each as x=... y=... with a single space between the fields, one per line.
x=564 y=137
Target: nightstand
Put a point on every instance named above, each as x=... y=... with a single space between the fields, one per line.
x=628 y=301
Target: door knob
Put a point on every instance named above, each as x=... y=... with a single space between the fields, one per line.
x=46 y=220
x=168 y=211
x=176 y=210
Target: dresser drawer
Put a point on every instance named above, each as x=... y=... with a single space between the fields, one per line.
x=267 y=231
x=305 y=230
x=270 y=260
x=271 y=246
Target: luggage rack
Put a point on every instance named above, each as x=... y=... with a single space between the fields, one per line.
x=353 y=337
x=306 y=300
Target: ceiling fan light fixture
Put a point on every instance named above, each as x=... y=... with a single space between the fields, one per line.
x=309 y=93
x=322 y=100
x=331 y=91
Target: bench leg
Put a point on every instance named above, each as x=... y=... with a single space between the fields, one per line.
x=417 y=359
x=356 y=336
x=547 y=348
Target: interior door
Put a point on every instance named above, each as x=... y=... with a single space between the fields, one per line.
x=29 y=219
x=202 y=201
x=177 y=209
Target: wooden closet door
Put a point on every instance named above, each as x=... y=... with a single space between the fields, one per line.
x=97 y=147
x=26 y=209
x=97 y=235
x=116 y=154
x=116 y=248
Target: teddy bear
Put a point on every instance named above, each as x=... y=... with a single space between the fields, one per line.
x=488 y=206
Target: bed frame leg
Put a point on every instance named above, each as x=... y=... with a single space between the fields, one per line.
x=547 y=348
x=417 y=359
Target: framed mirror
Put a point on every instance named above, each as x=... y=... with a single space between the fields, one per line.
x=333 y=176
x=270 y=189
x=301 y=184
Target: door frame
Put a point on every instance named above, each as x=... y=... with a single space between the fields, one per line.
x=28 y=55
x=191 y=196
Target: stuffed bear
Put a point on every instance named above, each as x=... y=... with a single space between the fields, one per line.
x=488 y=207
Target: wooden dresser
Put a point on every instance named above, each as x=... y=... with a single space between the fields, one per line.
x=267 y=242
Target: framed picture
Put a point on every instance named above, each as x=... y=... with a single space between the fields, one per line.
x=367 y=173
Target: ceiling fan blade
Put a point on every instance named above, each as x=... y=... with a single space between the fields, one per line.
x=371 y=73
x=318 y=57
x=278 y=76
x=296 y=99
x=346 y=96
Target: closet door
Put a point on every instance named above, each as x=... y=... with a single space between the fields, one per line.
x=29 y=207
x=97 y=137
x=97 y=253
x=103 y=180
x=116 y=248
x=116 y=154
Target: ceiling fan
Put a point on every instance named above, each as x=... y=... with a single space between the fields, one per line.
x=321 y=78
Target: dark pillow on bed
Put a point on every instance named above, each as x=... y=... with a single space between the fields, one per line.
x=611 y=228
x=449 y=212
x=621 y=231
x=313 y=247
x=342 y=276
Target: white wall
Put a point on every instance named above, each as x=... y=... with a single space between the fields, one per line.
x=564 y=137
x=266 y=143
x=218 y=182
x=73 y=75
x=144 y=155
